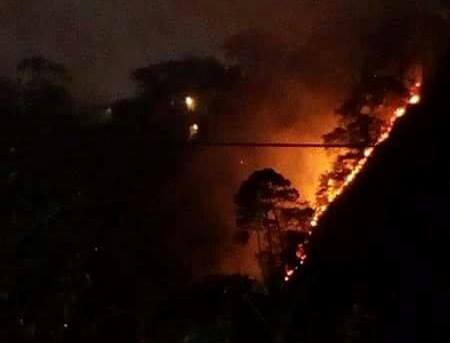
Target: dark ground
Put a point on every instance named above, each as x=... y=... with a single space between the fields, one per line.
x=379 y=266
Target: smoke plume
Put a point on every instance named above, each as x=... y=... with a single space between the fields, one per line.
x=296 y=76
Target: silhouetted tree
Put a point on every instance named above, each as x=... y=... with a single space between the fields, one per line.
x=44 y=87
x=173 y=77
x=221 y=308
x=162 y=90
x=8 y=96
x=37 y=71
x=270 y=206
x=361 y=120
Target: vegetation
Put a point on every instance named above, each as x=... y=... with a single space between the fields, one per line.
x=270 y=206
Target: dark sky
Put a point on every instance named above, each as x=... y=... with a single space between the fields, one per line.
x=100 y=41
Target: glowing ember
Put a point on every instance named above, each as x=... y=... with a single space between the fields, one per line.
x=350 y=178
x=400 y=112
x=414 y=100
x=383 y=137
x=368 y=152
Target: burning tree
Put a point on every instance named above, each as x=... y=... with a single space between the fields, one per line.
x=268 y=205
x=362 y=120
x=362 y=116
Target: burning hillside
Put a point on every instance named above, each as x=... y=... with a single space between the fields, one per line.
x=382 y=116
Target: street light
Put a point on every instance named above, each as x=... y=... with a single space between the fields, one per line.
x=190 y=103
x=193 y=130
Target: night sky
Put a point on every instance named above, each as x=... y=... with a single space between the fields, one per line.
x=101 y=41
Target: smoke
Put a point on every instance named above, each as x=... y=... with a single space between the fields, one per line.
x=301 y=58
x=294 y=82
x=102 y=41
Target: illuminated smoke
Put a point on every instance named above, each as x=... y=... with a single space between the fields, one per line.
x=337 y=187
x=290 y=95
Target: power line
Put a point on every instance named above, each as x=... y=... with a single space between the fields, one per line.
x=219 y=144
x=228 y=144
x=278 y=145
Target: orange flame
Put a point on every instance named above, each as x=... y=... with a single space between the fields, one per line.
x=400 y=112
x=414 y=99
x=334 y=189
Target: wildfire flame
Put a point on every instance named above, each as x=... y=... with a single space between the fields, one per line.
x=414 y=99
x=334 y=188
x=400 y=112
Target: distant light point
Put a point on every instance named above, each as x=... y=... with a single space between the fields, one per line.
x=190 y=103
x=193 y=131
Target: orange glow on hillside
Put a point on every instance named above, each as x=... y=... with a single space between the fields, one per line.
x=335 y=187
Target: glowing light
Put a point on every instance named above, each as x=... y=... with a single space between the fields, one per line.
x=368 y=152
x=414 y=100
x=66 y=325
x=335 y=186
x=190 y=103
x=350 y=177
x=383 y=137
x=193 y=130
x=400 y=112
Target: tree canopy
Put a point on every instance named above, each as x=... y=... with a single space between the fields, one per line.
x=270 y=206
